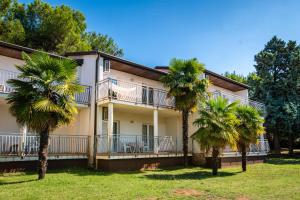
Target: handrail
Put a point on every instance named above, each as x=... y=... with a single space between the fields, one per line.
x=80 y=98
x=17 y=145
x=119 y=90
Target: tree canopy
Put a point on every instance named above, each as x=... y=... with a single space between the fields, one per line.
x=53 y=29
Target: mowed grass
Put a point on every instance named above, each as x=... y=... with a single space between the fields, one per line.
x=276 y=179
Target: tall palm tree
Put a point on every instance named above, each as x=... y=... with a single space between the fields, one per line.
x=43 y=98
x=249 y=128
x=216 y=128
x=185 y=85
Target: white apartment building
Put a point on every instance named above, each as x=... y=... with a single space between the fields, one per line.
x=125 y=121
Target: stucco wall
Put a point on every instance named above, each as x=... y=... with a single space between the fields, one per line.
x=7 y=63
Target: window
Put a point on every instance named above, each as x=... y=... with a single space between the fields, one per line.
x=105 y=113
x=106 y=65
x=78 y=73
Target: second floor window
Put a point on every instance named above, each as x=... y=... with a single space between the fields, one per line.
x=106 y=65
x=105 y=113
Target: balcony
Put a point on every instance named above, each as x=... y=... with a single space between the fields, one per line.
x=81 y=98
x=245 y=101
x=133 y=146
x=128 y=92
x=15 y=145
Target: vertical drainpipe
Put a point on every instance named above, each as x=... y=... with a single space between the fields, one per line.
x=96 y=109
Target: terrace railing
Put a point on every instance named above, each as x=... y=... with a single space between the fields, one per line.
x=81 y=98
x=261 y=147
x=138 y=144
x=118 y=90
x=244 y=101
x=12 y=145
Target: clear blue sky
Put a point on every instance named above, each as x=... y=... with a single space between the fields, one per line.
x=223 y=34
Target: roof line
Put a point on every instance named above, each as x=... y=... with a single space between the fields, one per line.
x=26 y=49
x=95 y=52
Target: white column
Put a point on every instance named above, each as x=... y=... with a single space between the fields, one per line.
x=110 y=123
x=155 y=129
x=99 y=121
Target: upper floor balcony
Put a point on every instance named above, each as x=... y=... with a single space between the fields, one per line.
x=134 y=93
x=81 y=98
x=242 y=100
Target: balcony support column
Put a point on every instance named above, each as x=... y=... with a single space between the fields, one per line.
x=110 y=124
x=155 y=129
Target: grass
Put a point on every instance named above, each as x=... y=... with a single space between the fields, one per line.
x=276 y=179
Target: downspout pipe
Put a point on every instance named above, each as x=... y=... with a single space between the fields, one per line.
x=96 y=109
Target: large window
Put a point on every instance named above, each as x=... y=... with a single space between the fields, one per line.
x=106 y=65
x=105 y=113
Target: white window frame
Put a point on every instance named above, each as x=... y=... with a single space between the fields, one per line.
x=106 y=65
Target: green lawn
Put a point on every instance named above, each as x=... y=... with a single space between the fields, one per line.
x=276 y=179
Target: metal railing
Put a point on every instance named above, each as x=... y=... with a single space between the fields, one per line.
x=138 y=144
x=260 y=148
x=112 y=89
x=17 y=145
x=81 y=98
x=232 y=97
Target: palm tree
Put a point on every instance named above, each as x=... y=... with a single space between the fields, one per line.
x=43 y=98
x=216 y=128
x=185 y=85
x=249 y=128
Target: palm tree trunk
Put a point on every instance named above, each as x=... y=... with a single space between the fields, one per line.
x=291 y=141
x=185 y=129
x=244 y=158
x=215 y=161
x=43 y=153
x=276 y=142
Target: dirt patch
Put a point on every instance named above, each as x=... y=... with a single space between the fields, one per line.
x=187 y=192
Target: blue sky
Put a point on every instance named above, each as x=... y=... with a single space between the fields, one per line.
x=223 y=34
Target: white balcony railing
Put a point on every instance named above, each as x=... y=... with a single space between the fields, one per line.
x=81 y=98
x=261 y=147
x=231 y=98
x=118 y=90
x=137 y=144
x=12 y=145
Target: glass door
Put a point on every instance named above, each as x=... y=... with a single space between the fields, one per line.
x=148 y=137
x=116 y=137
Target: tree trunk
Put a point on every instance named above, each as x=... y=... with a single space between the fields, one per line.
x=244 y=158
x=276 y=142
x=291 y=146
x=43 y=153
x=215 y=161
x=185 y=129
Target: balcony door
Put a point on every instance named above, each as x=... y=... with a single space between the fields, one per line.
x=147 y=95
x=116 y=137
x=148 y=137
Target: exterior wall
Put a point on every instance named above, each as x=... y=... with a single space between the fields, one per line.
x=8 y=123
x=115 y=74
x=7 y=63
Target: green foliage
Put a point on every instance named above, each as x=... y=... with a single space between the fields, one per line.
x=237 y=77
x=216 y=124
x=250 y=125
x=57 y=29
x=278 y=71
x=103 y=43
x=43 y=96
x=184 y=83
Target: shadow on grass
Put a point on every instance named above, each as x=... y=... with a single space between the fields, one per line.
x=16 y=182
x=283 y=161
x=189 y=175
